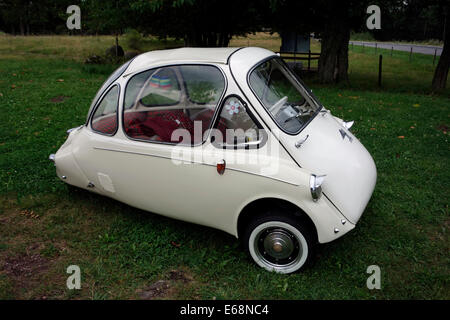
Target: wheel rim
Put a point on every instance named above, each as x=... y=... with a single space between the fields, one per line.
x=278 y=246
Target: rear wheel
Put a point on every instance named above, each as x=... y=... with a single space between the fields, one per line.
x=278 y=242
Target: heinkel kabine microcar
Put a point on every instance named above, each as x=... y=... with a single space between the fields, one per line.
x=229 y=138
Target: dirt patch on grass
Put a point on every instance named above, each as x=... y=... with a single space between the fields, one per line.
x=168 y=288
x=25 y=271
x=159 y=289
x=25 y=266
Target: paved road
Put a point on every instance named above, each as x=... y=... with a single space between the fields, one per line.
x=401 y=47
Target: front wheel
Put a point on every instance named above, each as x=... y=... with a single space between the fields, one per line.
x=279 y=243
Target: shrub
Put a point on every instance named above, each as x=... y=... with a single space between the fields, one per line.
x=133 y=39
x=361 y=36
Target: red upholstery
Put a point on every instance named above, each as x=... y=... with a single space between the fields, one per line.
x=107 y=125
x=206 y=117
x=146 y=125
x=159 y=125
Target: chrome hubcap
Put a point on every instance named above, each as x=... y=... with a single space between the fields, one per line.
x=277 y=246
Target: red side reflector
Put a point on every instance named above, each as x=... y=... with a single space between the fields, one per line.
x=221 y=167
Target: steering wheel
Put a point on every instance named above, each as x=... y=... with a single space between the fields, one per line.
x=277 y=106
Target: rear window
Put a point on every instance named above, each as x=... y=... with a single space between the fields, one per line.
x=113 y=77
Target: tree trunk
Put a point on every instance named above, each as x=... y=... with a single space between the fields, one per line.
x=333 y=61
x=22 y=28
x=117 y=45
x=441 y=72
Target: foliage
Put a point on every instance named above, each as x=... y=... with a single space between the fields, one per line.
x=198 y=22
x=133 y=39
x=361 y=36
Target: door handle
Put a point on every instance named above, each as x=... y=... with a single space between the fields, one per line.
x=299 y=143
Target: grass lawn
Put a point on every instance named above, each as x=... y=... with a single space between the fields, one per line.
x=127 y=253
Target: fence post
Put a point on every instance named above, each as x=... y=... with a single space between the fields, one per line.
x=392 y=49
x=434 y=58
x=376 y=47
x=363 y=48
x=410 y=55
x=380 y=69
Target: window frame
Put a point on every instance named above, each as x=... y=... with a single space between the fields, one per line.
x=107 y=84
x=252 y=117
x=299 y=82
x=99 y=101
x=217 y=107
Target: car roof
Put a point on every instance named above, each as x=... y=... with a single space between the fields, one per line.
x=184 y=55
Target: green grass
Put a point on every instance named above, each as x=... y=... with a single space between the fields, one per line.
x=76 y=48
x=122 y=251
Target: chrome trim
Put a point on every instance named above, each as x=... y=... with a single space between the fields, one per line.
x=299 y=143
x=348 y=124
x=241 y=145
x=152 y=155
x=195 y=162
x=315 y=186
x=260 y=175
x=52 y=157
x=73 y=129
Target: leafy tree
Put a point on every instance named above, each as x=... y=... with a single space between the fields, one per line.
x=201 y=23
x=110 y=17
x=26 y=17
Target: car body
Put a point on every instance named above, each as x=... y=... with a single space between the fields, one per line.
x=289 y=174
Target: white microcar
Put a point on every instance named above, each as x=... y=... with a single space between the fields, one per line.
x=229 y=138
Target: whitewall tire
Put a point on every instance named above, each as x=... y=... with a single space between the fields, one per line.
x=279 y=243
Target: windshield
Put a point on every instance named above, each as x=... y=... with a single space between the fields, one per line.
x=289 y=102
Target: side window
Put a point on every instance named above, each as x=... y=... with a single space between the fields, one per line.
x=104 y=119
x=172 y=104
x=162 y=89
x=235 y=128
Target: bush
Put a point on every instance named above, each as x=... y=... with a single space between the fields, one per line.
x=361 y=36
x=133 y=39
